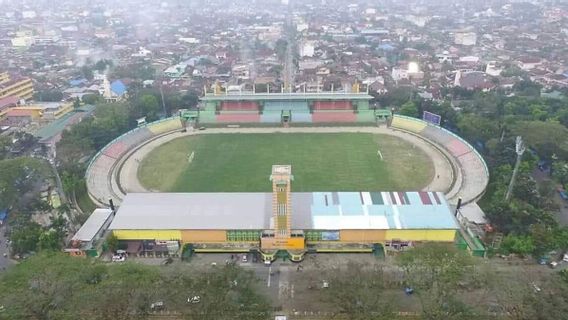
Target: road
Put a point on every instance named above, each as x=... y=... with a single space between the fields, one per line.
x=4 y=261
x=562 y=214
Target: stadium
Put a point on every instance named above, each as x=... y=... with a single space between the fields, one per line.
x=302 y=184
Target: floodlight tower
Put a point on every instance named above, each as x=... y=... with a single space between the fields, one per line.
x=519 y=149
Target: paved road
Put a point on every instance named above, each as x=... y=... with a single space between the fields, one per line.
x=4 y=261
x=562 y=214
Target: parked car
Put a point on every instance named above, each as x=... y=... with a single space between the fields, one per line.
x=118 y=258
x=157 y=306
x=565 y=257
x=562 y=193
x=245 y=258
x=194 y=299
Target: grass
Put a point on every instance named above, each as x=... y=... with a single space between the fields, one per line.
x=320 y=162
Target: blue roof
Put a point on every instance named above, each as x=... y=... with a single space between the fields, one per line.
x=381 y=210
x=77 y=82
x=386 y=46
x=3 y=214
x=118 y=87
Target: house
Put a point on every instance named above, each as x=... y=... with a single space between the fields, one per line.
x=472 y=80
x=87 y=241
x=528 y=63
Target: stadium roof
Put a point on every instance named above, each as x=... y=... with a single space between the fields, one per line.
x=253 y=211
x=287 y=96
x=92 y=226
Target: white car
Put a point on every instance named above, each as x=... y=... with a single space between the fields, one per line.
x=118 y=258
x=194 y=299
x=245 y=258
x=565 y=257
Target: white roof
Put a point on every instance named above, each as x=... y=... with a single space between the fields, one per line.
x=92 y=226
x=350 y=222
x=473 y=213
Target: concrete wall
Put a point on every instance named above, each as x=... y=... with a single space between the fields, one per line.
x=201 y=236
x=372 y=236
x=147 y=234
x=421 y=235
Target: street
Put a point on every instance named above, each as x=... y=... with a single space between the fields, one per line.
x=5 y=262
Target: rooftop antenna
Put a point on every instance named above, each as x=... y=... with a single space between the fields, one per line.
x=519 y=149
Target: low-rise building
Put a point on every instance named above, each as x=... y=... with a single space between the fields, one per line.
x=13 y=86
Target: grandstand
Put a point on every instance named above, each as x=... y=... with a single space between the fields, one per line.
x=332 y=105
x=239 y=106
x=330 y=116
x=325 y=107
x=473 y=176
x=99 y=183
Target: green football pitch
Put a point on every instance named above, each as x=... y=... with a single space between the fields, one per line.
x=320 y=162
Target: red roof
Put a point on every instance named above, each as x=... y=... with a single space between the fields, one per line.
x=8 y=102
x=19 y=113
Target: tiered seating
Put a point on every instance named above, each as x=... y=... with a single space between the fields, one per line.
x=408 y=124
x=333 y=105
x=207 y=117
x=165 y=126
x=239 y=106
x=136 y=137
x=97 y=179
x=457 y=147
x=294 y=106
x=116 y=149
x=437 y=134
x=334 y=116
x=366 y=116
x=474 y=175
x=271 y=117
x=301 y=117
x=243 y=117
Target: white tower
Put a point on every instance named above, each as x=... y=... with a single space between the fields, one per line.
x=107 y=91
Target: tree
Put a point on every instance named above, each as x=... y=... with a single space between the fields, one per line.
x=360 y=294
x=190 y=100
x=76 y=103
x=547 y=138
x=522 y=245
x=49 y=95
x=112 y=242
x=409 y=109
x=92 y=99
x=560 y=171
x=25 y=237
x=5 y=144
x=435 y=271
x=49 y=241
x=478 y=128
x=147 y=106
x=87 y=72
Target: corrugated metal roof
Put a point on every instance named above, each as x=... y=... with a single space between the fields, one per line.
x=253 y=211
x=93 y=224
x=288 y=96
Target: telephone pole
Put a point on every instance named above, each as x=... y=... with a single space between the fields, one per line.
x=519 y=149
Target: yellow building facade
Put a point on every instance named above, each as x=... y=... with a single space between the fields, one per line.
x=21 y=88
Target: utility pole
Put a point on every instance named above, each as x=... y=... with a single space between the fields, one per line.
x=519 y=149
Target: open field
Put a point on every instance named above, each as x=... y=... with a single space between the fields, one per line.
x=320 y=162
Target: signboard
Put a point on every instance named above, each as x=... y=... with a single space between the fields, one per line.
x=432 y=118
x=330 y=235
x=286 y=243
